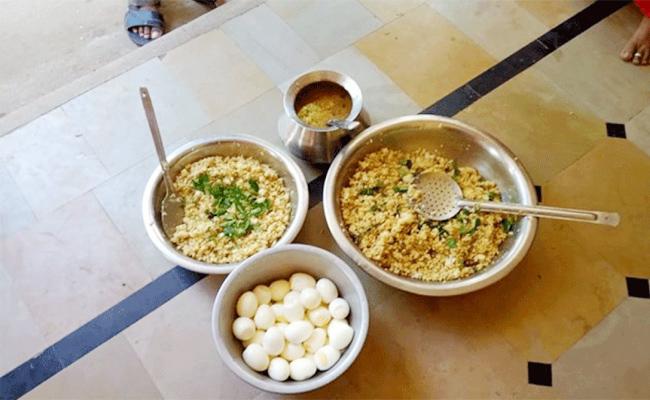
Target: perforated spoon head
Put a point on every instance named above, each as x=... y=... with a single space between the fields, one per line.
x=439 y=195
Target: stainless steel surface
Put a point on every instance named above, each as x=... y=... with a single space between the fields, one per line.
x=172 y=207
x=319 y=145
x=442 y=199
x=344 y=124
x=452 y=139
x=280 y=263
x=229 y=145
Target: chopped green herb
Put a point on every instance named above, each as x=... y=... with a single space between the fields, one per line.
x=507 y=224
x=468 y=230
x=407 y=163
x=456 y=170
x=202 y=183
x=254 y=186
x=491 y=196
x=374 y=208
x=370 y=191
x=451 y=243
x=399 y=189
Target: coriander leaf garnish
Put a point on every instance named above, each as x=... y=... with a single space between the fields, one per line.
x=370 y=191
x=451 y=243
x=201 y=183
x=400 y=189
x=254 y=186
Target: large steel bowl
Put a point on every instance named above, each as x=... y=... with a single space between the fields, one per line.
x=451 y=139
x=233 y=145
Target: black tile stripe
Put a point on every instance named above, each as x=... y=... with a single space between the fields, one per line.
x=637 y=287
x=540 y=374
x=616 y=130
x=111 y=322
x=528 y=55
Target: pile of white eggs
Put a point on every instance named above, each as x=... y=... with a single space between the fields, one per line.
x=293 y=328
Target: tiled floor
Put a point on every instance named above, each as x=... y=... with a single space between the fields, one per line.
x=72 y=242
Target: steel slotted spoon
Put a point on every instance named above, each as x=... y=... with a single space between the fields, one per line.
x=442 y=198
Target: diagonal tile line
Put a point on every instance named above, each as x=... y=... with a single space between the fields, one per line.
x=111 y=322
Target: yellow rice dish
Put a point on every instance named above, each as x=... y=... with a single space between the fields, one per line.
x=234 y=208
x=378 y=214
x=320 y=102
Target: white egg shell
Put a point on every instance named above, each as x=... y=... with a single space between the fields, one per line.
x=264 y=317
x=279 y=369
x=302 y=368
x=279 y=289
x=310 y=298
x=246 y=305
x=278 y=311
x=300 y=281
x=273 y=341
x=263 y=294
x=339 y=308
x=292 y=297
x=326 y=357
x=319 y=316
x=243 y=328
x=257 y=338
x=293 y=311
x=255 y=357
x=327 y=290
x=339 y=333
x=316 y=340
x=298 y=331
x=293 y=351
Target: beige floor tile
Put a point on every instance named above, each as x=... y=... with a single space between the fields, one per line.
x=71 y=266
x=271 y=43
x=382 y=98
x=113 y=120
x=175 y=346
x=588 y=67
x=15 y=212
x=416 y=51
x=121 y=197
x=328 y=26
x=638 y=130
x=51 y=162
x=388 y=10
x=614 y=176
x=112 y=371
x=553 y=297
x=538 y=122
x=553 y=12
x=499 y=27
x=220 y=76
x=20 y=337
x=612 y=360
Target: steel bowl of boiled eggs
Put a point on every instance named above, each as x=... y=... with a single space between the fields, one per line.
x=290 y=319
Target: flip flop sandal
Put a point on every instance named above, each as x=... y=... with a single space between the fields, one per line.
x=136 y=17
x=206 y=2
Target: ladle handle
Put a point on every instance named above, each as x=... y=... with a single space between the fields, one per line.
x=155 y=134
x=569 y=214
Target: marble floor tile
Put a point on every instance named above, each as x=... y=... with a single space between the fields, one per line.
x=499 y=27
x=553 y=12
x=425 y=54
x=70 y=266
x=121 y=198
x=271 y=43
x=614 y=176
x=15 y=212
x=612 y=360
x=558 y=292
x=112 y=371
x=51 y=162
x=113 y=120
x=220 y=75
x=388 y=10
x=638 y=130
x=175 y=345
x=328 y=26
x=540 y=123
x=20 y=336
x=589 y=68
x=382 y=98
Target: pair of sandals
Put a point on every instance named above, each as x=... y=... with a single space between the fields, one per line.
x=137 y=17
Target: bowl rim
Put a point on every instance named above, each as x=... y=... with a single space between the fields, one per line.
x=325 y=377
x=528 y=225
x=157 y=236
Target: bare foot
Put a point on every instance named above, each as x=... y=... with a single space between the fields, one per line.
x=637 y=48
x=148 y=32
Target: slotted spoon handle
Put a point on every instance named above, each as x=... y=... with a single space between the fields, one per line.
x=569 y=214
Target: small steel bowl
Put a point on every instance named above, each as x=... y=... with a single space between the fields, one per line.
x=451 y=139
x=279 y=263
x=234 y=145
